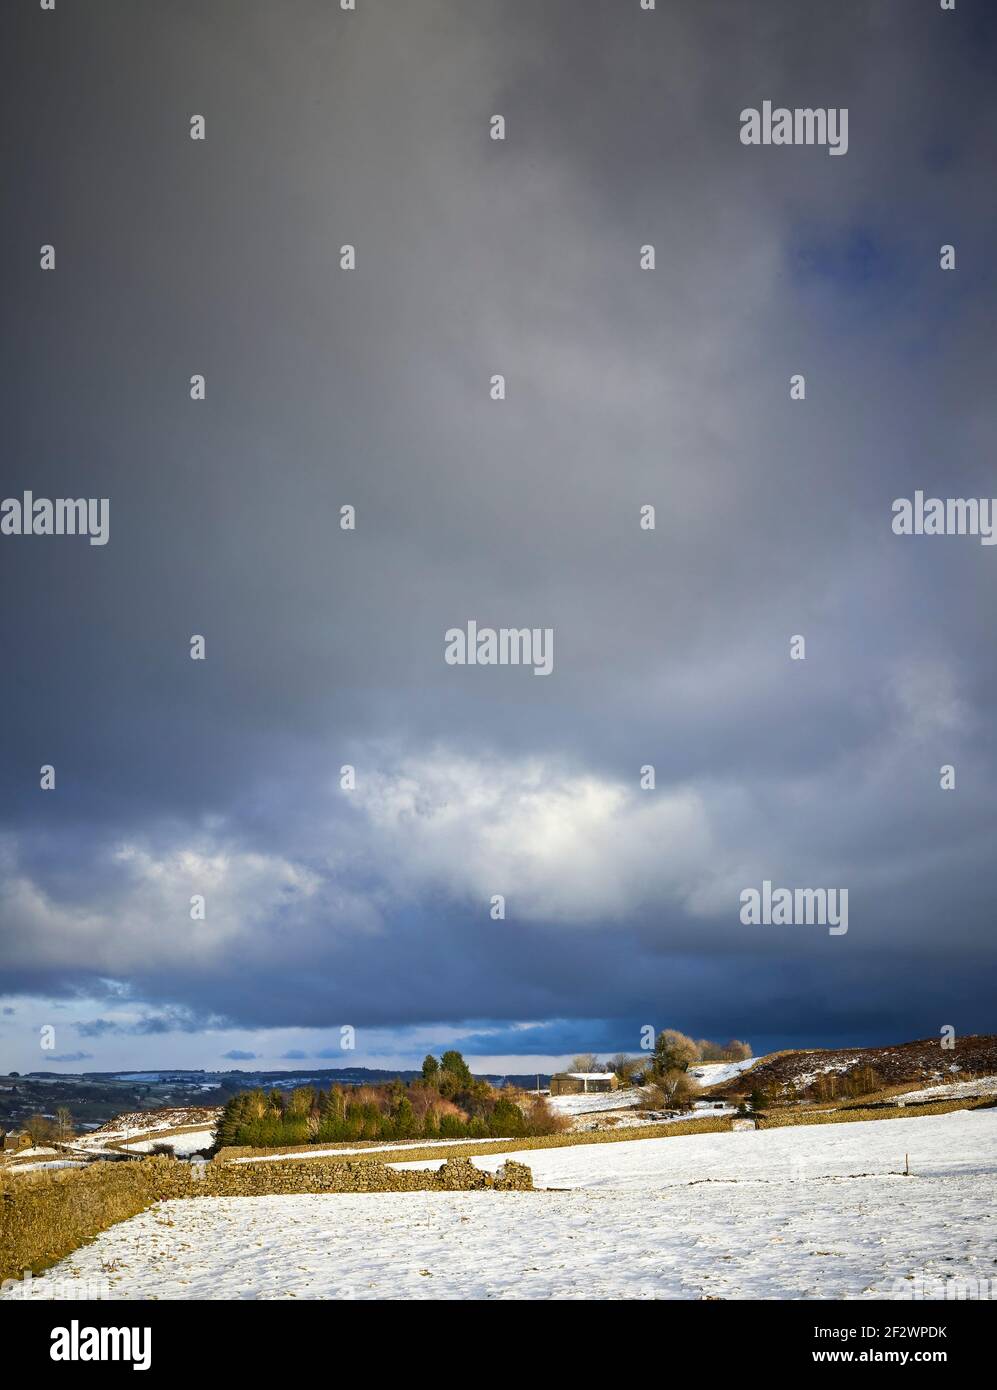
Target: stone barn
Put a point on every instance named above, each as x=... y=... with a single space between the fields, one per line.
x=576 y=1083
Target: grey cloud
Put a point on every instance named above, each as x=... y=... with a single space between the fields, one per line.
x=624 y=388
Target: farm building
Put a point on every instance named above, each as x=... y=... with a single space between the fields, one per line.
x=14 y=1140
x=575 y=1083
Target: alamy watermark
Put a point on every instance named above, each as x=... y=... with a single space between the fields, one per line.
x=60 y=516
x=48 y=1286
x=800 y=126
x=945 y=516
x=787 y=907
x=933 y=1287
x=504 y=646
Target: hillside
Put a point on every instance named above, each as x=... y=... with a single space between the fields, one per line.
x=137 y=1131
x=821 y=1073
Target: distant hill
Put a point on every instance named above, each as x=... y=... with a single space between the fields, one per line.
x=242 y=1078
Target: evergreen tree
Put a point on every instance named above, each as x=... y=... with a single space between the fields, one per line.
x=506 y=1119
x=404 y=1119
x=454 y=1063
x=229 y=1123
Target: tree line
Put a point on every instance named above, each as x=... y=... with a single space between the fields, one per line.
x=445 y=1102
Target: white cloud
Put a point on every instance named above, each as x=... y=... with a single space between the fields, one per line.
x=560 y=846
x=140 y=916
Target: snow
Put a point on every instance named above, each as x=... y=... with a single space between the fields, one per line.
x=937 y=1144
x=181 y=1144
x=807 y=1078
x=138 y=1126
x=52 y=1163
x=588 y=1102
x=715 y=1073
x=645 y=1120
x=378 y=1149
x=953 y=1090
x=628 y=1117
x=814 y=1211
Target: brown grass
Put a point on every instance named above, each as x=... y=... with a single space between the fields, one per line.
x=812 y=1115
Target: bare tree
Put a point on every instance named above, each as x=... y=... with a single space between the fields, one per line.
x=625 y=1067
x=40 y=1129
x=673 y=1051
x=677 y=1089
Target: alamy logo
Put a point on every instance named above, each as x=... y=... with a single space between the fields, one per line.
x=803 y=907
x=48 y=1286
x=945 y=516
x=61 y=516
x=932 y=1287
x=76 y=1343
x=801 y=126
x=504 y=646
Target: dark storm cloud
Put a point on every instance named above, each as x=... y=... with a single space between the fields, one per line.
x=324 y=388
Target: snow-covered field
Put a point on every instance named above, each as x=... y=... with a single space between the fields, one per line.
x=141 y=1125
x=38 y=1156
x=44 y=1163
x=594 y=1101
x=938 y=1145
x=620 y=1110
x=633 y=1119
x=713 y=1073
x=182 y=1144
x=954 y=1090
x=806 y=1212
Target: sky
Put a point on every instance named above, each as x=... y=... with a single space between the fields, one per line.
x=371 y=908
